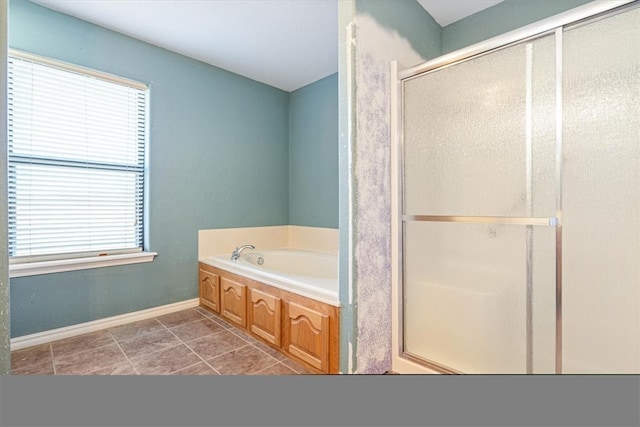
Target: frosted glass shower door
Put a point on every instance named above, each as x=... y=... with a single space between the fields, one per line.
x=479 y=168
x=601 y=196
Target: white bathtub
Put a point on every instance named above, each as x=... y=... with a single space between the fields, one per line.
x=311 y=274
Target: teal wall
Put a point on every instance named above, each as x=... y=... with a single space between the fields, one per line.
x=501 y=18
x=313 y=154
x=218 y=158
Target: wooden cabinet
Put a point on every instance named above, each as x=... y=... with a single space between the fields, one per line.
x=264 y=315
x=209 y=291
x=306 y=335
x=302 y=328
x=233 y=301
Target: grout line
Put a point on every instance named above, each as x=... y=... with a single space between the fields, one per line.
x=191 y=350
x=53 y=362
x=187 y=367
x=293 y=368
x=241 y=335
x=214 y=369
x=282 y=361
x=180 y=342
x=75 y=338
x=144 y=335
x=202 y=358
x=136 y=336
x=153 y=352
x=270 y=366
x=177 y=337
x=233 y=328
x=227 y=352
x=271 y=356
x=125 y=356
x=214 y=317
x=108 y=366
x=91 y=349
x=196 y=353
x=197 y=338
x=81 y=351
x=182 y=324
x=221 y=322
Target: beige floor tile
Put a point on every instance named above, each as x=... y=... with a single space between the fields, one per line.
x=219 y=320
x=270 y=351
x=69 y=346
x=245 y=360
x=166 y=361
x=203 y=311
x=298 y=367
x=277 y=369
x=88 y=361
x=135 y=329
x=199 y=369
x=216 y=344
x=34 y=355
x=248 y=338
x=44 y=368
x=197 y=329
x=123 y=368
x=149 y=343
x=180 y=317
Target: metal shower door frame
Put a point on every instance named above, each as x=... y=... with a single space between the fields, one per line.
x=554 y=25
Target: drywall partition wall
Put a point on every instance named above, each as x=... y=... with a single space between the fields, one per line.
x=381 y=32
x=405 y=20
x=218 y=158
x=346 y=111
x=5 y=351
x=313 y=154
x=501 y=18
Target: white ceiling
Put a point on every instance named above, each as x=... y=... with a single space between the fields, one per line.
x=283 y=43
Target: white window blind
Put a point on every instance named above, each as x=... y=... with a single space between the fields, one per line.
x=76 y=161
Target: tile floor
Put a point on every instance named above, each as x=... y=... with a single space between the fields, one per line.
x=188 y=342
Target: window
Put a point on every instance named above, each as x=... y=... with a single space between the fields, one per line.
x=76 y=142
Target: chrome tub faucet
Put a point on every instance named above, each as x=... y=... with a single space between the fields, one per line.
x=237 y=251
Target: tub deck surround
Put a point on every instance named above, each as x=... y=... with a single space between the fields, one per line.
x=274 y=309
x=283 y=293
x=222 y=241
x=310 y=274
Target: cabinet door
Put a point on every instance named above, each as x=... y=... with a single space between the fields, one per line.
x=263 y=317
x=233 y=301
x=306 y=335
x=210 y=290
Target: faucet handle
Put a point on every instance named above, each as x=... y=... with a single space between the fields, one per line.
x=236 y=252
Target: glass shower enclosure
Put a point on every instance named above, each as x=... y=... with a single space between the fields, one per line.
x=519 y=206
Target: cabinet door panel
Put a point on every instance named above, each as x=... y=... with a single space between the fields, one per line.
x=307 y=335
x=264 y=316
x=233 y=301
x=210 y=290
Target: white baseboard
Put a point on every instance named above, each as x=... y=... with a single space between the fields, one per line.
x=96 y=325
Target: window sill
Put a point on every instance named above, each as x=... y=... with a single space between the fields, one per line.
x=58 y=266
